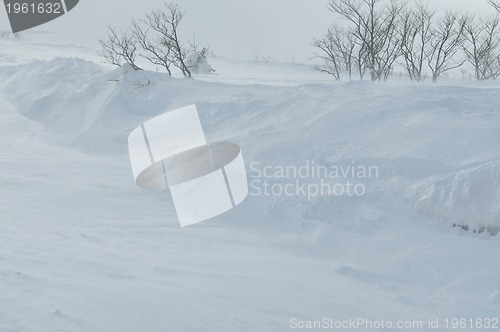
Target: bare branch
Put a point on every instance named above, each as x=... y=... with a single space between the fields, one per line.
x=445 y=42
x=482 y=46
x=329 y=54
x=156 y=52
x=415 y=35
x=374 y=30
x=166 y=23
x=118 y=47
x=495 y=4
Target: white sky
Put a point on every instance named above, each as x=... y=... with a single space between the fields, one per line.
x=232 y=28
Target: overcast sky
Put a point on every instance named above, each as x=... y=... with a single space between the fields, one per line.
x=232 y=28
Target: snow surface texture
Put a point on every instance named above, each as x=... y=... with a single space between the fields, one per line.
x=83 y=249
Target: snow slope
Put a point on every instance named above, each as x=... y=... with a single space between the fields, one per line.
x=83 y=249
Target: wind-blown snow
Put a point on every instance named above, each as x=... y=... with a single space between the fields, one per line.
x=83 y=249
x=198 y=64
x=469 y=197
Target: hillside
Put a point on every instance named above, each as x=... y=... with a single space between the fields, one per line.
x=84 y=249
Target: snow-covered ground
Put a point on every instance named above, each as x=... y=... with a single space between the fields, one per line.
x=84 y=249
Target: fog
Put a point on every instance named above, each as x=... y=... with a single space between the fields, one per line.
x=279 y=29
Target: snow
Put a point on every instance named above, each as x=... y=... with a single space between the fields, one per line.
x=82 y=248
x=198 y=63
x=470 y=197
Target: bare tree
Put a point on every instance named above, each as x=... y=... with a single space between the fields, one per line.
x=375 y=30
x=156 y=51
x=482 y=47
x=166 y=24
x=415 y=35
x=389 y=49
x=118 y=47
x=329 y=54
x=339 y=50
x=445 y=41
x=360 y=59
x=346 y=44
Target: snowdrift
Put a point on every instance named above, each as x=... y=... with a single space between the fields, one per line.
x=83 y=249
x=469 y=198
x=423 y=139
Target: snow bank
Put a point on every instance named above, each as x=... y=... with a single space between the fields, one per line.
x=79 y=102
x=469 y=198
x=82 y=248
x=413 y=134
